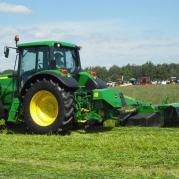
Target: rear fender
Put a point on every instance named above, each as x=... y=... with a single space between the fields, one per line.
x=67 y=82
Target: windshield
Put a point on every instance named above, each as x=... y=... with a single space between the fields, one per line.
x=65 y=58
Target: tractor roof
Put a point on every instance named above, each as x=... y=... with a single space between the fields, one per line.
x=47 y=43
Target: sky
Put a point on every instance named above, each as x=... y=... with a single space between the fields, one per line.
x=111 y=32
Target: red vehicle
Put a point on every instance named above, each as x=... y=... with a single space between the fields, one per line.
x=145 y=80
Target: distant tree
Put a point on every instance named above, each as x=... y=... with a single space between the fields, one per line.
x=114 y=73
x=155 y=72
x=8 y=71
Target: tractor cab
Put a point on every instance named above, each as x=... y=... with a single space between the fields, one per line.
x=50 y=55
x=38 y=57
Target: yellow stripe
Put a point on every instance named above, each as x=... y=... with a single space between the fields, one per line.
x=82 y=121
x=3 y=77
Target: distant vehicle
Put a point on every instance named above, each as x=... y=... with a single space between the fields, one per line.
x=173 y=80
x=133 y=81
x=145 y=80
x=154 y=82
x=163 y=82
x=119 y=82
x=111 y=84
x=126 y=84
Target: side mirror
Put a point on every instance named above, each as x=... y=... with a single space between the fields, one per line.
x=6 y=52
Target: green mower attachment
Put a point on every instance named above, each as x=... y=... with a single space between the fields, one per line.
x=110 y=103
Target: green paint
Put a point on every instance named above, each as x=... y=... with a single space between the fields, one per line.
x=164 y=106
x=131 y=101
x=14 y=110
x=84 y=76
x=47 y=43
x=7 y=87
x=109 y=95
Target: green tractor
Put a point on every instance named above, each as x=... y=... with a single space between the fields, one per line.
x=49 y=91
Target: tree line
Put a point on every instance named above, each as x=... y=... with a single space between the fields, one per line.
x=155 y=72
x=115 y=73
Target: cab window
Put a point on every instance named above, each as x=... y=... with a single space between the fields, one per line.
x=65 y=58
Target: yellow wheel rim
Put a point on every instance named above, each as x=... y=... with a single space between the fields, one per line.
x=44 y=108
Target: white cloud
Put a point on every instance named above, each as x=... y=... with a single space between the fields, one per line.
x=104 y=43
x=14 y=8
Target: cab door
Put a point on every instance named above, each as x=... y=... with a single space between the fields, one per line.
x=32 y=60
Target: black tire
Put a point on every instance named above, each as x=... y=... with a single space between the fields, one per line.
x=65 y=107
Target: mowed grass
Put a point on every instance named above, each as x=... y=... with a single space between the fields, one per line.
x=119 y=153
x=123 y=152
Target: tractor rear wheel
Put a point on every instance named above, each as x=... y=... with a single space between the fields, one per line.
x=47 y=108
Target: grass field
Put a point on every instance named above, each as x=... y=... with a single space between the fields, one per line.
x=153 y=93
x=118 y=153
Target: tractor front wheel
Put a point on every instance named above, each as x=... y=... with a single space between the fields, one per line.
x=47 y=107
